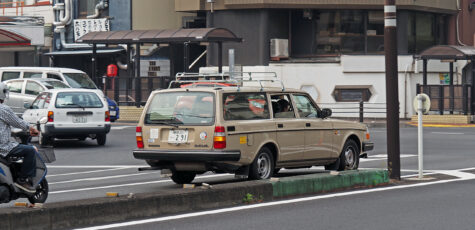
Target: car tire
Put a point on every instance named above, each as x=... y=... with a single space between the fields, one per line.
x=349 y=156
x=263 y=165
x=43 y=139
x=183 y=177
x=101 y=139
x=333 y=166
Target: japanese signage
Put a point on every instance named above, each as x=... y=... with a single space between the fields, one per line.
x=84 y=26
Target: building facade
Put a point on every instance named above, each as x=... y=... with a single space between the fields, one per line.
x=335 y=49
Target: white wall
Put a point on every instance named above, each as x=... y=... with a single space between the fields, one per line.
x=356 y=70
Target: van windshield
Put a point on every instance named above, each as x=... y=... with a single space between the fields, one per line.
x=79 y=80
x=181 y=108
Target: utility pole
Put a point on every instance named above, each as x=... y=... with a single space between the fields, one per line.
x=392 y=102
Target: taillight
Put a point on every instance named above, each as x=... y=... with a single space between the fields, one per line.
x=50 y=116
x=219 y=140
x=108 y=117
x=138 y=137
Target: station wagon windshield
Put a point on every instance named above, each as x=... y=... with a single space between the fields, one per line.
x=79 y=80
x=181 y=108
x=78 y=100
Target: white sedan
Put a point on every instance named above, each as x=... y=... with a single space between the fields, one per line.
x=69 y=113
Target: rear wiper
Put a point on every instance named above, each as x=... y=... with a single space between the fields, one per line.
x=80 y=106
x=163 y=122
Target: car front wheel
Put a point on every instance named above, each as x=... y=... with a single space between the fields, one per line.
x=350 y=156
x=263 y=165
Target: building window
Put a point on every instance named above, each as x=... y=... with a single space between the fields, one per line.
x=317 y=33
x=351 y=93
x=334 y=32
x=86 y=7
x=425 y=30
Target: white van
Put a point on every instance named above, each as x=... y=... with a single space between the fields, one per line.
x=72 y=77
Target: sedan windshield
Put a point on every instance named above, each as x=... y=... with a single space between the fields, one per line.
x=78 y=100
x=79 y=80
x=181 y=108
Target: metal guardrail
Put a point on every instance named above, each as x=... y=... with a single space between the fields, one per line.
x=361 y=108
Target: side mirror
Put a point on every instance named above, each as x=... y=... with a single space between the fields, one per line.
x=27 y=105
x=326 y=113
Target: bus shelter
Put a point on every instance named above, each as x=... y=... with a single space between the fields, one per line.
x=202 y=36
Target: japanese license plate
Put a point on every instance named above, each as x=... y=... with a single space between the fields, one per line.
x=178 y=136
x=112 y=112
x=79 y=119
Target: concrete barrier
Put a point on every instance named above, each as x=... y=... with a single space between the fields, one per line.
x=97 y=211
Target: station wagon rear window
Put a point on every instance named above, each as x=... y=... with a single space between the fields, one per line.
x=245 y=106
x=181 y=108
x=78 y=100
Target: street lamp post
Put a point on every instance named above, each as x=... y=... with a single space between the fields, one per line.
x=392 y=102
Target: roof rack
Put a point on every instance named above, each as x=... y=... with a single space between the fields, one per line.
x=237 y=78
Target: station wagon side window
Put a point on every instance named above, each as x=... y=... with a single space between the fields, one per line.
x=42 y=101
x=245 y=106
x=282 y=106
x=32 y=75
x=10 y=75
x=54 y=76
x=33 y=88
x=305 y=106
x=15 y=86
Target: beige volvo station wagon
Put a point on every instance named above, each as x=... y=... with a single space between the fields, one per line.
x=251 y=131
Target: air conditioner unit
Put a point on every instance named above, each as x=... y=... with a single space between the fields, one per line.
x=279 y=48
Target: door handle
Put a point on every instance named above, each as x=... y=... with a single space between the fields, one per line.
x=307 y=125
x=280 y=125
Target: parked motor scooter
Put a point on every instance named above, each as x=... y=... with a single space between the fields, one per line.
x=10 y=166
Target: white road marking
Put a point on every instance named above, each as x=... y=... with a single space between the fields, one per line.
x=379 y=157
x=282 y=202
x=85 y=172
x=126 y=185
x=446 y=133
x=100 y=178
x=122 y=127
x=94 y=166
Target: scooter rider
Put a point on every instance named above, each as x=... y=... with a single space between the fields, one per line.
x=8 y=147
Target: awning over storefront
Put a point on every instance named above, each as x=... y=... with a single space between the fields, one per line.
x=444 y=52
x=84 y=52
x=8 y=38
x=160 y=36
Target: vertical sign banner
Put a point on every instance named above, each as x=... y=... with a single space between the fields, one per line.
x=84 y=26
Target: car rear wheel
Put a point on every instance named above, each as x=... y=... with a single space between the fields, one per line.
x=263 y=165
x=349 y=156
x=101 y=139
x=183 y=177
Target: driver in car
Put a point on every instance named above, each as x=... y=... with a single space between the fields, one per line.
x=8 y=147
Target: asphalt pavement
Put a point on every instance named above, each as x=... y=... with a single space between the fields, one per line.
x=85 y=170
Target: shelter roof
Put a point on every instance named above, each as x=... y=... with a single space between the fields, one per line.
x=442 y=52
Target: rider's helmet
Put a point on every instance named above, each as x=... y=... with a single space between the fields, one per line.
x=3 y=91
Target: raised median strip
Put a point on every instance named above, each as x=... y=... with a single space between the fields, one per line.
x=89 y=212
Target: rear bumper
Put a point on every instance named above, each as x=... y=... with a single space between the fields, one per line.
x=51 y=130
x=368 y=146
x=187 y=156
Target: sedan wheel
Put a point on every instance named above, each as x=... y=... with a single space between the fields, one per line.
x=349 y=158
x=263 y=165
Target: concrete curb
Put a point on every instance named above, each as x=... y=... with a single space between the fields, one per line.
x=97 y=211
